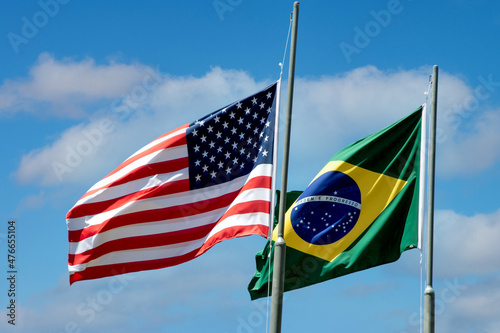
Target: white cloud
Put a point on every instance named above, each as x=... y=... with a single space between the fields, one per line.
x=61 y=87
x=361 y=100
x=329 y=113
x=334 y=111
x=215 y=89
x=466 y=245
x=472 y=151
x=74 y=156
x=86 y=152
x=470 y=307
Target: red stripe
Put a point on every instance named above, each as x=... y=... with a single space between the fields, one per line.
x=149 y=170
x=140 y=242
x=167 y=238
x=257 y=206
x=234 y=232
x=107 y=205
x=154 y=215
x=169 y=133
x=97 y=272
x=175 y=141
x=257 y=182
x=167 y=213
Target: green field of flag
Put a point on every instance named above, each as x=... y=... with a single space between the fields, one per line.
x=360 y=211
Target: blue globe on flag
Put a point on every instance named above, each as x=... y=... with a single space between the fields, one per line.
x=328 y=209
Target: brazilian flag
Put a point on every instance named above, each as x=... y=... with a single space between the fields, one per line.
x=360 y=211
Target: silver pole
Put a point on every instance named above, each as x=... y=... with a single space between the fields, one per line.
x=429 y=296
x=279 y=245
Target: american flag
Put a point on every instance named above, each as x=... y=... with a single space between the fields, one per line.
x=175 y=198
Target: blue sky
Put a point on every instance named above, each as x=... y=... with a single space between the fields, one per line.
x=85 y=84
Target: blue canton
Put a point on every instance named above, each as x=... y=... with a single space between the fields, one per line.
x=230 y=142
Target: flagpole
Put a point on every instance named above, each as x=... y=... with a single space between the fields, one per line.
x=429 y=295
x=279 y=245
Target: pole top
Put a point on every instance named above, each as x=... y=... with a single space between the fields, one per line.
x=295 y=9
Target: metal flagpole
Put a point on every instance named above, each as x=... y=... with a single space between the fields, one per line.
x=429 y=296
x=279 y=245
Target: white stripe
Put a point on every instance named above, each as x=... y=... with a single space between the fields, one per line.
x=158 y=141
x=247 y=220
x=171 y=225
x=165 y=201
x=109 y=193
x=144 y=229
x=138 y=255
x=170 y=200
x=247 y=196
x=251 y=195
x=329 y=198
x=155 y=157
x=157 y=227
